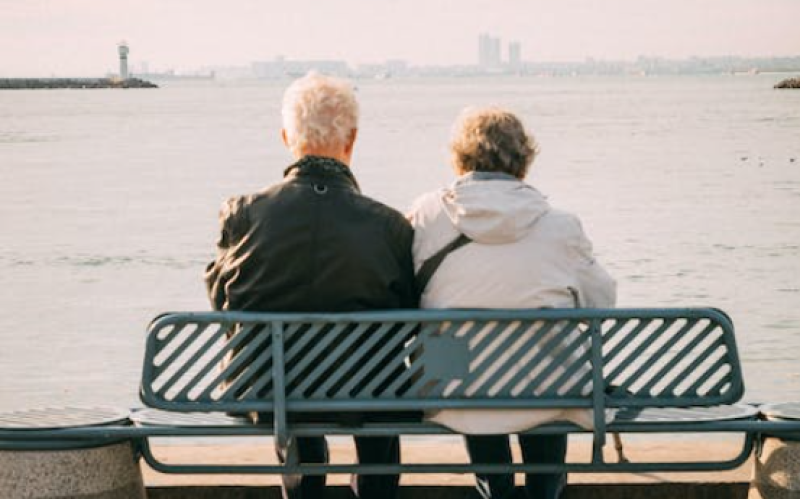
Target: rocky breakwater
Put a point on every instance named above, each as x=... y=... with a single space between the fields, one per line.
x=789 y=83
x=77 y=83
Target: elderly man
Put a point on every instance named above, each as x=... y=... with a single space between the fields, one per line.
x=314 y=243
x=499 y=244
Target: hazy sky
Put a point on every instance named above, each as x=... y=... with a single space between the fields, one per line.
x=79 y=37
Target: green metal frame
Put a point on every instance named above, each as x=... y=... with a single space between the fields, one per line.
x=413 y=360
x=592 y=329
x=71 y=438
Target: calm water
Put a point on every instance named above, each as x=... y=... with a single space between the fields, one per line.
x=688 y=186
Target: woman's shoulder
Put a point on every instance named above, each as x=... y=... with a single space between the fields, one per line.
x=565 y=219
x=560 y=227
x=425 y=207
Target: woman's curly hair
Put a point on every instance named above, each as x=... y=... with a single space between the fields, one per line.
x=492 y=140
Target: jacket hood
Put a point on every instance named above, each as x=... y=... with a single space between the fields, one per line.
x=493 y=208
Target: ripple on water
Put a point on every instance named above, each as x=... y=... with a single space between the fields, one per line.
x=127 y=260
x=786 y=324
x=24 y=138
x=88 y=261
x=94 y=261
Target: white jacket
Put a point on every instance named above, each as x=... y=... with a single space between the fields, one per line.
x=523 y=254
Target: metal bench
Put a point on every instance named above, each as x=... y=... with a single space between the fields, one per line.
x=671 y=371
x=662 y=370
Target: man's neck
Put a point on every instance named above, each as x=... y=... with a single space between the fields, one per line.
x=338 y=155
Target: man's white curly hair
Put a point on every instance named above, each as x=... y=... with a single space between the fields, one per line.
x=319 y=111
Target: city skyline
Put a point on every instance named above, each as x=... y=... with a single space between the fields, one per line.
x=493 y=57
x=72 y=37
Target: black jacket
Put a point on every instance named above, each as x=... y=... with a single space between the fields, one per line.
x=312 y=243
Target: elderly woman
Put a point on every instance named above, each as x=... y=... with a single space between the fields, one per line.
x=313 y=242
x=504 y=247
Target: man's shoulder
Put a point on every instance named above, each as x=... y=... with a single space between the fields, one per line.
x=240 y=204
x=234 y=206
x=385 y=213
x=265 y=194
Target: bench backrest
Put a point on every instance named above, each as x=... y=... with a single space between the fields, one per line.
x=432 y=359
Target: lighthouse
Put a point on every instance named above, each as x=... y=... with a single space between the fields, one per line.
x=123 y=60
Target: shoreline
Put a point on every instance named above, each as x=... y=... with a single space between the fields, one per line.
x=72 y=83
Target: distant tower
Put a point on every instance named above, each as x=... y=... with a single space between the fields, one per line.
x=123 y=60
x=495 y=59
x=488 y=51
x=483 y=50
x=514 y=55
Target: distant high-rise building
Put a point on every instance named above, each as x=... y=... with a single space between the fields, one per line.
x=514 y=54
x=488 y=50
x=482 y=49
x=123 y=60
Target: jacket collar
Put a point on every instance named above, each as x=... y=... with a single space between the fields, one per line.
x=472 y=177
x=320 y=166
